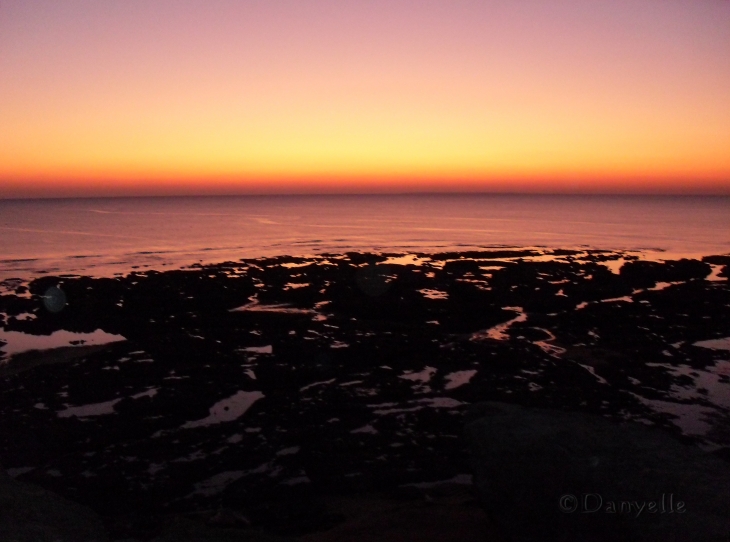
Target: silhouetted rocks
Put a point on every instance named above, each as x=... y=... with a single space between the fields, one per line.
x=547 y=475
x=266 y=386
x=646 y=274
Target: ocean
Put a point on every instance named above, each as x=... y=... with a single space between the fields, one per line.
x=104 y=236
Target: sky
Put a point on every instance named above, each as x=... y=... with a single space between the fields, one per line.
x=102 y=97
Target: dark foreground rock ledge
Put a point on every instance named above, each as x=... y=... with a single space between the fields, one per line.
x=29 y=513
x=547 y=475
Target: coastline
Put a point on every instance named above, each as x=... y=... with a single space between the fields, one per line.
x=270 y=381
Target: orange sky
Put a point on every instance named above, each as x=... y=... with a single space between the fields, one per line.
x=99 y=97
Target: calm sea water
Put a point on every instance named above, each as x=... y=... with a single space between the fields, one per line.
x=103 y=236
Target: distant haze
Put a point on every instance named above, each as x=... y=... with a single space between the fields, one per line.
x=99 y=97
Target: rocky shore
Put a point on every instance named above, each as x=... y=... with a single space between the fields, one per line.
x=255 y=395
x=547 y=475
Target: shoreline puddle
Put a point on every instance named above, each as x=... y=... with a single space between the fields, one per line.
x=715 y=344
x=459 y=378
x=499 y=332
x=227 y=410
x=19 y=342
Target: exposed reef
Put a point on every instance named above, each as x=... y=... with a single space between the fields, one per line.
x=264 y=386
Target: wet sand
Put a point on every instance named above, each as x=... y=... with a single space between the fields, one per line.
x=275 y=387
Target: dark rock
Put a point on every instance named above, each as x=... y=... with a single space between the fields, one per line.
x=29 y=513
x=646 y=274
x=549 y=475
x=361 y=392
x=717 y=260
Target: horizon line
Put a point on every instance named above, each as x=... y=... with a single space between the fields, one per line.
x=430 y=193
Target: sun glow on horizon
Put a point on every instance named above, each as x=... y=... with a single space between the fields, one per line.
x=101 y=98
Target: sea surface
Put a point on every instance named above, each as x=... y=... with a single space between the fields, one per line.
x=103 y=236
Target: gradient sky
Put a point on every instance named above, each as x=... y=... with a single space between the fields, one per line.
x=105 y=97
